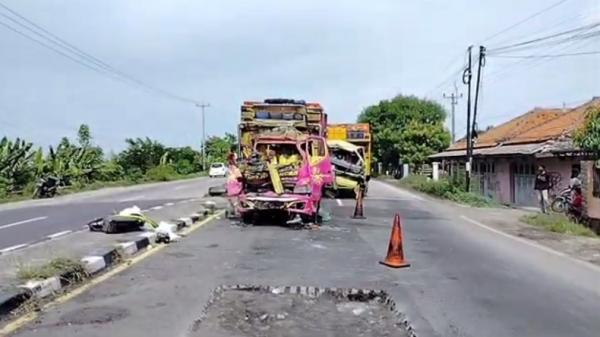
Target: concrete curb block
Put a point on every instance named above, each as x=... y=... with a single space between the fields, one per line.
x=13 y=300
x=92 y=264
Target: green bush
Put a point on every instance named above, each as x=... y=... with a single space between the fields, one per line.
x=446 y=189
x=557 y=223
x=161 y=173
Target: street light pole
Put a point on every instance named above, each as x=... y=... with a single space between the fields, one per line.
x=203 y=106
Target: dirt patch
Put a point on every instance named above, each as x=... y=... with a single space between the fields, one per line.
x=256 y=313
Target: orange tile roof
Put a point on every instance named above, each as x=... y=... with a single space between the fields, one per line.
x=511 y=129
x=564 y=125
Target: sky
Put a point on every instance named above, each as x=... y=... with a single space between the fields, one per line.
x=345 y=54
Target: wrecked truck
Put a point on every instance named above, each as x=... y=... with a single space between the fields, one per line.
x=284 y=178
x=349 y=167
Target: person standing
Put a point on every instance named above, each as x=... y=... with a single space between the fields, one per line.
x=542 y=185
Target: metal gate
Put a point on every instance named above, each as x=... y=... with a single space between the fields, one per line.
x=523 y=182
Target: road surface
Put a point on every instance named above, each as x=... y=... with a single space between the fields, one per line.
x=23 y=223
x=465 y=279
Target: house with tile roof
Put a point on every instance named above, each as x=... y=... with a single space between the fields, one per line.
x=506 y=157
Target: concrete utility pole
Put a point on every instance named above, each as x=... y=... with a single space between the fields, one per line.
x=467 y=76
x=454 y=101
x=203 y=106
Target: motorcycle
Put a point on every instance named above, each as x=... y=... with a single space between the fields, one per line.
x=562 y=201
x=47 y=187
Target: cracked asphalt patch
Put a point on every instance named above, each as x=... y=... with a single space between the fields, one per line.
x=263 y=314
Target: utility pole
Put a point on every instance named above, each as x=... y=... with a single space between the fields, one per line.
x=480 y=65
x=467 y=75
x=203 y=106
x=454 y=101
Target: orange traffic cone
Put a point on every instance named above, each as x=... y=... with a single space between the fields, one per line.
x=358 y=208
x=395 y=254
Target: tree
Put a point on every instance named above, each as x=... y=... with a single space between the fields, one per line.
x=185 y=159
x=588 y=137
x=84 y=136
x=217 y=148
x=141 y=154
x=406 y=128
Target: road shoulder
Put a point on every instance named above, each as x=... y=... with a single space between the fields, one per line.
x=506 y=220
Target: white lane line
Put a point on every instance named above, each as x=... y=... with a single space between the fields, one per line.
x=169 y=204
x=11 y=248
x=23 y=222
x=156 y=207
x=531 y=243
x=59 y=234
x=179 y=188
x=339 y=202
x=135 y=197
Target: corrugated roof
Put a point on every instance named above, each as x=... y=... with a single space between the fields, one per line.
x=525 y=149
x=512 y=128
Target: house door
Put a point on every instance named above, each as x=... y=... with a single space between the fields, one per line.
x=523 y=181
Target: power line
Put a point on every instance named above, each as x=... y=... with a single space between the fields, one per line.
x=518 y=23
x=547 y=55
x=549 y=38
x=75 y=54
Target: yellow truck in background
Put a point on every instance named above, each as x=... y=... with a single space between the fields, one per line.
x=351 y=146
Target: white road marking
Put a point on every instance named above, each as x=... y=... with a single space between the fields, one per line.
x=23 y=222
x=156 y=207
x=179 y=187
x=55 y=235
x=135 y=197
x=339 y=202
x=11 y=248
x=169 y=204
x=531 y=243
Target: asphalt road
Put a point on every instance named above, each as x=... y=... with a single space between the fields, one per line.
x=465 y=280
x=23 y=223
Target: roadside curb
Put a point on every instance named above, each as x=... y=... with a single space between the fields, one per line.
x=93 y=265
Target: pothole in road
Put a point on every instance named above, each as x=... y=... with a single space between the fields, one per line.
x=94 y=315
x=264 y=311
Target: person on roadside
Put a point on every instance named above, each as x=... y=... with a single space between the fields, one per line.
x=576 y=206
x=542 y=185
x=575 y=181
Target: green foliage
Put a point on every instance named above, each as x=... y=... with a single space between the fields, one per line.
x=406 y=127
x=84 y=136
x=142 y=154
x=83 y=166
x=56 y=267
x=557 y=223
x=217 y=148
x=185 y=160
x=446 y=189
x=15 y=164
x=161 y=173
x=588 y=137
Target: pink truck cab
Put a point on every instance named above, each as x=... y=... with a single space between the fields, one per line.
x=285 y=175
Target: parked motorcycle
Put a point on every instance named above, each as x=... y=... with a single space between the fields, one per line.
x=47 y=187
x=562 y=201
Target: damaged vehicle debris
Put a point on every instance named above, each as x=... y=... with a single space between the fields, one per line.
x=284 y=177
x=284 y=164
x=349 y=167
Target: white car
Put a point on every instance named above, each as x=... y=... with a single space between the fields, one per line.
x=217 y=170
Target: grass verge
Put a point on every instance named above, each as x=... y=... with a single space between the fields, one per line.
x=558 y=223
x=56 y=267
x=445 y=189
